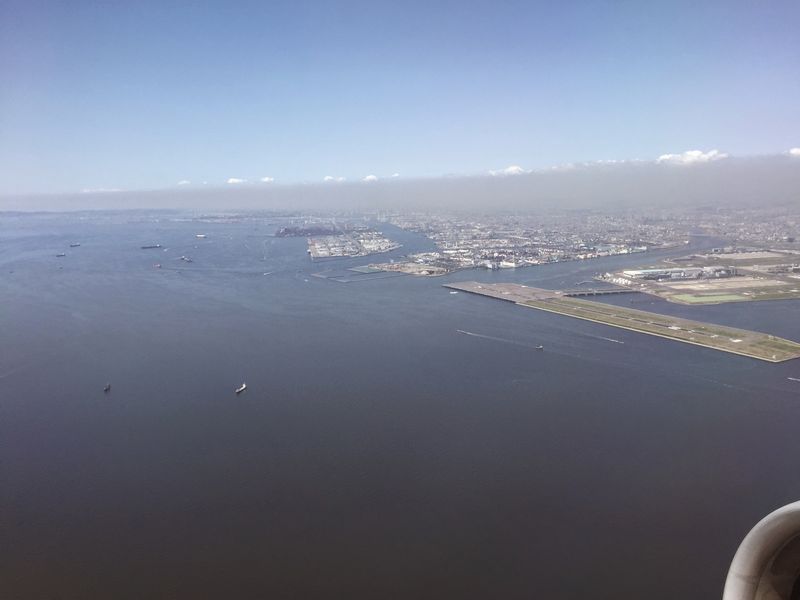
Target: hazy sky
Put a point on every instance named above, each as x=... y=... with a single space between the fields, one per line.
x=137 y=95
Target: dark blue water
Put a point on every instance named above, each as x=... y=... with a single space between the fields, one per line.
x=378 y=453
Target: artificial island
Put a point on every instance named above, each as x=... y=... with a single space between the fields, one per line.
x=752 y=344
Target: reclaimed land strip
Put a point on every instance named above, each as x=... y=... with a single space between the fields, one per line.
x=753 y=344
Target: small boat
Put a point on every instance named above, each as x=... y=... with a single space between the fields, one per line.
x=107 y=388
x=60 y=255
x=540 y=347
x=241 y=388
x=74 y=245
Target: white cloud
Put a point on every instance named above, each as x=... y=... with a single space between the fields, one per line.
x=395 y=175
x=564 y=167
x=369 y=178
x=267 y=179
x=332 y=178
x=610 y=161
x=236 y=180
x=510 y=170
x=184 y=182
x=794 y=151
x=691 y=157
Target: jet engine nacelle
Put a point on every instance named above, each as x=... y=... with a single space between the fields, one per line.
x=767 y=564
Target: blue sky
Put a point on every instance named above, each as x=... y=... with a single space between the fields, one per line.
x=138 y=95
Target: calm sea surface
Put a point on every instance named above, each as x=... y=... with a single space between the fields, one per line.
x=378 y=452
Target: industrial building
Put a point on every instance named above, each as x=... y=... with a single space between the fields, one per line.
x=681 y=273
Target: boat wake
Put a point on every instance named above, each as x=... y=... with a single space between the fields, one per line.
x=16 y=370
x=499 y=339
x=605 y=339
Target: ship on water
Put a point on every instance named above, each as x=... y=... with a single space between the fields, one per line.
x=241 y=388
x=75 y=245
x=151 y=246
